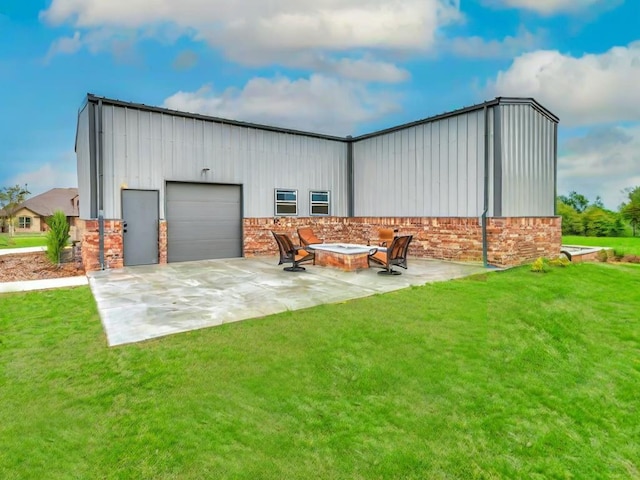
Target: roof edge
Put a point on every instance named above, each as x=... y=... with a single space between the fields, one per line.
x=91 y=98
x=141 y=106
x=479 y=106
x=531 y=101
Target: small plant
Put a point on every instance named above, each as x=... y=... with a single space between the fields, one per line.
x=618 y=254
x=538 y=266
x=57 y=236
x=561 y=261
x=602 y=256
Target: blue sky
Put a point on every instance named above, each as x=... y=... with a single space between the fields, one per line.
x=335 y=66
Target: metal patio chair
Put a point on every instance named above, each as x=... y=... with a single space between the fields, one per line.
x=394 y=255
x=307 y=237
x=289 y=253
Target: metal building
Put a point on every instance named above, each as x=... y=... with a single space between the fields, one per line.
x=195 y=179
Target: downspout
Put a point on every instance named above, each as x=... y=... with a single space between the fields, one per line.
x=486 y=188
x=350 y=178
x=100 y=186
x=555 y=169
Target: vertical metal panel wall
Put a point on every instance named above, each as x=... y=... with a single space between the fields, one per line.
x=143 y=149
x=430 y=169
x=528 y=161
x=83 y=158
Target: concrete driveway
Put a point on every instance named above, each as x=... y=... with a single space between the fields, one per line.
x=144 y=302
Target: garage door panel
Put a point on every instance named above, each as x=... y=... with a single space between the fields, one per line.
x=203 y=221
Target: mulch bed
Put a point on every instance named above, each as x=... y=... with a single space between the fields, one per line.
x=34 y=266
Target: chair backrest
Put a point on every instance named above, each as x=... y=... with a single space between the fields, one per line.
x=285 y=246
x=385 y=236
x=397 y=252
x=307 y=237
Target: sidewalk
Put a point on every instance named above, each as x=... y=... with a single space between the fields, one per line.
x=29 y=285
x=9 y=251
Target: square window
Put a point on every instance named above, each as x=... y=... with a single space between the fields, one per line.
x=286 y=202
x=319 y=202
x=24 y=222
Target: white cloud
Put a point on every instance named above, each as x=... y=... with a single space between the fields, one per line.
x=602 y=162
x=58 y=174
x=508 y=47
x=550 y=7
x=258 y=32
x=65 y=45
x=365 y=69
x=592 y=89
x=318 y=104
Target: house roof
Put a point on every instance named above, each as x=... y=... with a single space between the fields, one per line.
x=45 y=204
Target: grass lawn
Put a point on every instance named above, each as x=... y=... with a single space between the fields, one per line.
x=504 y=375
x=627 y=245
x=18 y=241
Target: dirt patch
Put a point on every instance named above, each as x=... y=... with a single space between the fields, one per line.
x=34 y=266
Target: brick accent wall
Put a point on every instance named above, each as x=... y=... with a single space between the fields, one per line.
x=514 y=241
x=88 y=232
x=162 y=242
x=511 y=241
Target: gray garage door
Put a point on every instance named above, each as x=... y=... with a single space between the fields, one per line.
x=203 y=221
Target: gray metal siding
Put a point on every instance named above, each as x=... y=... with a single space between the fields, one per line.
x=203 y=221
x=528 y=162
x=143 y=149
x=83 y=159
x=432 y=169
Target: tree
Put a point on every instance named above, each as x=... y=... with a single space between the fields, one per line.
x=630 y=211
x=10 y=200
x=57 y=236
x=598 y=202
x=576 y=200
x=599 y=222
x=571 y=220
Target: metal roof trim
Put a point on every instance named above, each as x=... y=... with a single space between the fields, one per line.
x=141 y=106
x=347 y=139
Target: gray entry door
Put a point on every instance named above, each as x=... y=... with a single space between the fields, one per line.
x=203 y=221
x=140 y=229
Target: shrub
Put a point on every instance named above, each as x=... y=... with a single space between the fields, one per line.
x=561 y=261
x=57 y=236
x=604 y=255
x=538 y=266
x=618 y=254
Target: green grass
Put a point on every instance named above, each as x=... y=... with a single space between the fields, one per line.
x=504 y=375
x=18 y=241
x=626 y=245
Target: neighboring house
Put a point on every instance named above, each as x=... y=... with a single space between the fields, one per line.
x=31 y=216
x=161 y=186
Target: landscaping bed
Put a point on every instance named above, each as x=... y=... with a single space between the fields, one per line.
x=34 y=266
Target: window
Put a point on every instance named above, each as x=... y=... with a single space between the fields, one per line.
x=319 y=202
x=24 y=222
x=286 y=202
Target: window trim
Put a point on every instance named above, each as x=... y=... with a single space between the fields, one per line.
x=25 y=222
x=277 y=203
x=313 y=203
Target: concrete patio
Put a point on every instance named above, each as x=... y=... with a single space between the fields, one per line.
x=144 y=302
